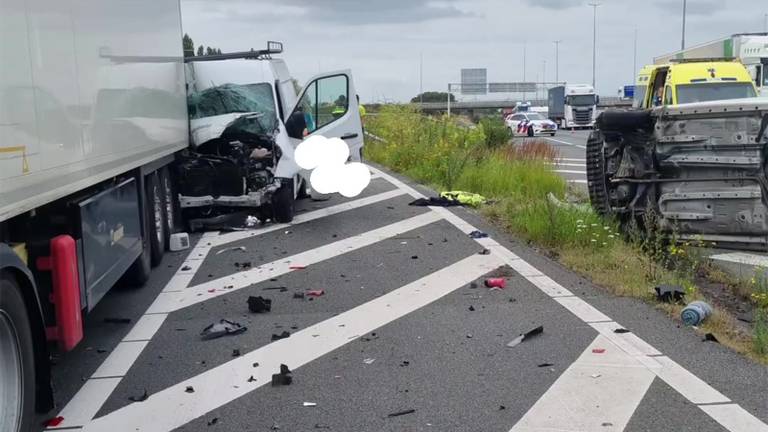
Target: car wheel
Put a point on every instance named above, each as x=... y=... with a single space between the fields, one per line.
x=303 y=193
x=553 y=133
x=17 y=359
x=530 y=131
x=157 y=223
x=283 y=202
x=169 y=201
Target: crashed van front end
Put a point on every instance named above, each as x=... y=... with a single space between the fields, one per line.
x=698 y=171
x=234 y=154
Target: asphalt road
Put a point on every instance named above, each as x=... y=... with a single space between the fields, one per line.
x=405 y=337
x=571 y=147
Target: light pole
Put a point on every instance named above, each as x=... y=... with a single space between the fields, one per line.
x=421 y=79
x=594 y=39
x=765 y=23
x=557 y=59
x=682 y=40
x=524 y=44
x=634 y=58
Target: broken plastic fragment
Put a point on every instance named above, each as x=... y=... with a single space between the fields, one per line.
x=54 y=421
x=222 y=328
x=232 y=249
x=369 y=360
x=485 y=252
x=189 y=389
x=471 y=308
x=259 y=304
x=400 y=413
x=495 y=283
x=117 y=320
x=598 y=350
x=283 y=378
x=709 y=337
x=545 y=364
x=525 y=336
x=298 y=295
x=236 y=352
x=213 y=421
x=251 y=379
x=186 y=268
x=668 y=293
x=597 y=375
x=404 y=363
x=144 y=396
x=282 y=335
x=297 y=267
x=621 y=330
x=278 y=288
x=309 y=404
x=315 y=293
x=478 y=234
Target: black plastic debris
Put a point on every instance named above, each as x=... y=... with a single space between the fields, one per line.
x=434 y=202
x=144 y=396
x=278 y=288
x=401 y=413
x=709 y=337
x=298 y=295
x=213 y=421
x=189 y=389
x=545 y=364
x=525 y=336
x=222 y=328
x=669 y=293
x=621 y=330
x=282 y=335
x=251 y=379
x=117 y=320
x=502 y=407
x=259 y=304
x=471 y=308
x=321 y=426
x=478 y=234
x=243 y=265
x=484 y=252
x=236 y=352
x=256 y=364
x=414 y=257
x=405 y=363
x=186 y=268
x=285 y=377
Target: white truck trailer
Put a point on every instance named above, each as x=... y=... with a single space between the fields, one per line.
x=572 y=105
x=95 y=153
x=750 y=48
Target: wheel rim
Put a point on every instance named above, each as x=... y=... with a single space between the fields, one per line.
x=168 y=203
x=11 y=390
x=158 y=211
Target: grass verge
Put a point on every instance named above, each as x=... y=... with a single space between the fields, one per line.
x=519 y=179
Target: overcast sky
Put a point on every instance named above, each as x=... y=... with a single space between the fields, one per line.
x=382 y=40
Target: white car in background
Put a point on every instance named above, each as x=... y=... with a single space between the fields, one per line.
x=530 y=124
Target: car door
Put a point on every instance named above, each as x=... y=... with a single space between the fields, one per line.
x=329 y=105
x=514 y=122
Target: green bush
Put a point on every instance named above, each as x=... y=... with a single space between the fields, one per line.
x=496 y=132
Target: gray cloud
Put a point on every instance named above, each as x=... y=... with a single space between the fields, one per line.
x=554 y=4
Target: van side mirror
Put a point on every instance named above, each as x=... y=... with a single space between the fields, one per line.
x=296 y=124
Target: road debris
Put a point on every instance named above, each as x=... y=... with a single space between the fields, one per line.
x=309 y=404
x=405 y=363
x=321 y=426
x=401 y=413
x=369 y=360
x=525 y=336
x=283 y=335
x=669 y=293
x=278 y=288
x=469 y=335
x=243 y=265
x=189 y=389
x=434 y=202
x=117 y=320
x=621 y=330
x=222 y=328
x=502 y=407
x=141 y=398
x=414 y=257
x=471 y=308
x=476 y=234
x=315 y=293
x=545 y=364
x=232 y=249
x=298 y=295
x=597 y=375
x=598 y=350
x=259 y=304
x=53 y=422
x=178 y=242
x=297 y=267
x=251 y=379
x=695 y=313
x=484 y=252
x=496 y=283
x=251 y=221
x=186 y=268
x=236 y=352
x=213 y=421
x=285 y=377
x=709 y=337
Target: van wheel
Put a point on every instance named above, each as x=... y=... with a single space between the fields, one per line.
x=283 y=202
x=157 y=223
x=17 y=359
x=596 y=175
x=169 y=199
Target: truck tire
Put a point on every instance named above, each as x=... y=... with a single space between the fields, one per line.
x=169 y=201
x=596 y=177
x=283 y=202
x=303 y=189
x=156 y=214
x=17 y=359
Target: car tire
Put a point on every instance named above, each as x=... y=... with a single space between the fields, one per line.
x=283 y=203
x=17 y=358
x=553 y=133
x=156 y=214
x=170 y=205
x=303 y=192
x=530 y=132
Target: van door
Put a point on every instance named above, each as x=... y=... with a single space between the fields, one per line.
x=329 y=106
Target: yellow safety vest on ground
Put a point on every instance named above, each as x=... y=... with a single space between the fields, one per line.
x=466 y=198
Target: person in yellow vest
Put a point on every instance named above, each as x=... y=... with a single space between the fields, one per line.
x=361 y=108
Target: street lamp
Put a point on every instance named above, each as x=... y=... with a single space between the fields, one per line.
x=594 y=38
x=557 y=61
x=682 y=42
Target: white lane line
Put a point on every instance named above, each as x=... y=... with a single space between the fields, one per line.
x=173 y=407
x=561 y=164
x=120 y=360
x=579 y=181
x=742 y=258
x=629 y=342
x=562 y=171
x=583 y=161
x=598 y=392
x=735 y=418
x=550 y=287
x=89 y=399
x=230 y=237
x=567 y=143
x=168 y=302
x=583 y=310
x=684 y=382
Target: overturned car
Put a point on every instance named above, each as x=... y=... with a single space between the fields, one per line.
x=699 y=169
x=246 y=120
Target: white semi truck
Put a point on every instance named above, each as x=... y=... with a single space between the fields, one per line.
x=573 y=105
x=750 y=48
x=97 y=165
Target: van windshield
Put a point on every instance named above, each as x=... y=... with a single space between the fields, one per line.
x=637 y=98
x=580 y=100
x=689 y=93
x=234 y=98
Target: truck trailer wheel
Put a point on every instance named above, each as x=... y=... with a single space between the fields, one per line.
x=157 y=223
x=596 y=176
x=17 y=374
x=283 y=202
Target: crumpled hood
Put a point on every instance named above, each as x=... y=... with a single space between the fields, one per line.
x=205 y=129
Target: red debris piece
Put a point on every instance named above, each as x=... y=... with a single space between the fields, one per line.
x=495 y=283
x=297 y=267
x=212 y=290
x=598 y=350
x=315 y=293
x=54 y=421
